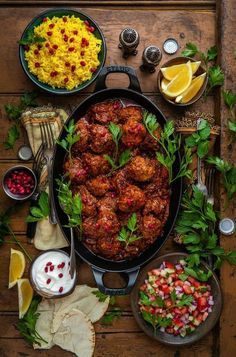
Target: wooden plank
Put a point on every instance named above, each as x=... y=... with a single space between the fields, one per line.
x=226 y=23
x=194 y=26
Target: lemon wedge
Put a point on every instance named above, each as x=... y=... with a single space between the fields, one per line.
x=170 y=72
x=25 y=296
x=192 y=90
x=16 y=268
x=180 y=82
x=164 y=84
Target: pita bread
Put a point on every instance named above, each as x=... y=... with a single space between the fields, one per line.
x=81 y=299
x=76 y=334
x=44 y=323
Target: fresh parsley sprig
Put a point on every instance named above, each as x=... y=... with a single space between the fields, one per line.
x=230 y=102
x=71 y=204
x=14 y=112
x=156 y=320
x=200 y=139
x=111 y=316
x=228 y=172
x=123 y=159
x=102 y=297
x=70 y=139
x=41 y=211
x=116 y=133
x=27 y=325
x=31 y=38
x=170 y=145
x=216 y=78
x=127 y=233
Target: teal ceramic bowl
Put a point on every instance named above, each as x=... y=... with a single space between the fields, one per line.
x=59 y=12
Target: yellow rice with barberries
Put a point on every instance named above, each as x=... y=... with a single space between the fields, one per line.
x=68 y=56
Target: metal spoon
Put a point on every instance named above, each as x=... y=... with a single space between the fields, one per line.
x=200 y=185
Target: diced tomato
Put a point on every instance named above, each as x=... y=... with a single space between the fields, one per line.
x=180 y=270
x=178 y=322
x=194 y=282
x=184 y=310
x=195 y=313
x=170 y=265
x=201 y=303
x=206 y=294
x=179 y=283
x=155 y=272
x=177 y=311
x=168 y=302
x=187 y=289
x=165 y=289
x=196 y=295
x=169 y=330
x=199 y=317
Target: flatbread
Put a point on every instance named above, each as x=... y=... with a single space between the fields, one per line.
x=44 y=323
x=81 y=299
x=76 y=334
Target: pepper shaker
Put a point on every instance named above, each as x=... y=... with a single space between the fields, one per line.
x=151 y=57
x=129 y=41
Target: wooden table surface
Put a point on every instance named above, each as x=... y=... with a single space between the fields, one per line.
x=204 y=22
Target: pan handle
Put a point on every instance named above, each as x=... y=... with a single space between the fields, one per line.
x=101 y=79
x=131 y=275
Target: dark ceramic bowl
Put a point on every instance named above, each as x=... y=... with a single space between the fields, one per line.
x=180 y=60
x=167 y=338
x=60 y=12
x=18 y=197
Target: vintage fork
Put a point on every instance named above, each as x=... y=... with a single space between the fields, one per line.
x=48 y=143
x=210 y=185
x=200 y=185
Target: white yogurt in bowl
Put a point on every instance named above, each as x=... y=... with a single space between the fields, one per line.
x=49 y=274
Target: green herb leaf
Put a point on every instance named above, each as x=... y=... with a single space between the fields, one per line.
x=126 y=234
x=216 y=76
x=31 y=38
x=232 y=126
x=212 y=53
x=13 y=135
x=124 y=157
x=229 y=98
x=190 y=51
x=186 y=300
x=144 y=299
x=101 y=297
x=71 y=138
x=111 y=316
x=132 y=223
x=37 y=213
x=151 y=123
x=173 y=296
x=183 y=277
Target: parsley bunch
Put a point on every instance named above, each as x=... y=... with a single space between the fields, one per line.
x=14 y=112
x=26 y=325
x=215 y=73
x=114 y=313
x=71 y=138
x=228 y=172
x=170 y=145
x=127 y=233
x=41 y=211
x=200 y=139
x=230 y=102
x=31 y=38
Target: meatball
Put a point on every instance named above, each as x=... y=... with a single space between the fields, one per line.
x=157 y=206
x=150 y=143
x=131 y=199
x=133 y=133
x=159 y=185
x=95 y=164
x=150 y=227
x=89 y=228
x=88 y=202
x=109 y=201
x=119 y=179
x=82 y=129
x=141 y=168
x=107 y=223
x=132 y=112
x=99 y=185
x=76 y=171
x=109 y=246
x=105 y=112
x=101 y=139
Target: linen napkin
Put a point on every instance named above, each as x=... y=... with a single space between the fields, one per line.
x=47 y=236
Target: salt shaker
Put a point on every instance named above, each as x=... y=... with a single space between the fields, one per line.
x=151 y=57
x=129 y=41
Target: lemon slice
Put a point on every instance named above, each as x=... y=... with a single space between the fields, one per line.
x=180 y=83
x=25 y=296
x=16 y=268
x=170 y=72
x=164 y=84
x=192 y=90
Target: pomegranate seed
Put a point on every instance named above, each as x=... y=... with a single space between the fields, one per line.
x=82 y=63
x=61 y=289
x=46 y=270
x=45 y=19
x=86 y=23
x=83 y=45
x=92 y=70
x=66 y=80
x=37 y=64
x=62 y=264
x=36 y=52
x=91 y=29
x=83 y=40
x=67 y=64
x=129 y=201
x=75 y=32
x=26 y=48
x=60 y=275
x=55 y=73
x=55 y=47
x=82 y=53
x=72 y=39
x=73 y=68
x=64 y=18
x=49 y=263
x=49 y=33
x=59 y=266
x=51 y=26
x=47 y=44
x=39 y=47
x=51 y=52
x=52 y=74
x=51 y=267
x=48 y=281
x=65 y=38
x=71 y=49
x=63 y=31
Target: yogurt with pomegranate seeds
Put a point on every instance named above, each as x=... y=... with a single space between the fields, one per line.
x=50 y=274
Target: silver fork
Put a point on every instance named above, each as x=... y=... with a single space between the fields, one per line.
x=210 y=185
x=200 y=185
x=48 y=143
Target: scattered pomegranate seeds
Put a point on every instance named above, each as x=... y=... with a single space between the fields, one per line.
x=39 y=47
x=60 y=275
x=61 y=289
x=92 y=70
x=55 y=47
x=73 y=68
x=51 y=51
x=75 y=32
x=67 y=64
x=63 y=31
x=91 y=29
x=26 y=48
x=48 y=281
x=51 y=267
x=49 y=33
x=49 y=263
x=20 y=182
x=72 y=39
x=36 y=52
x=66 y=80
x=65 y=38
x=82 y=63
x=45 y=19
x=71 y=49
x=65 y=19
x=51 y=26
x=82 y=53
x=37 y=64
x=62 y=264
x=53 y=73
x=47 y=44
x=86 y=23
x=46 y=270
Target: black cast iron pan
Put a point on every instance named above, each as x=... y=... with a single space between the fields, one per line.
x=98 y=264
